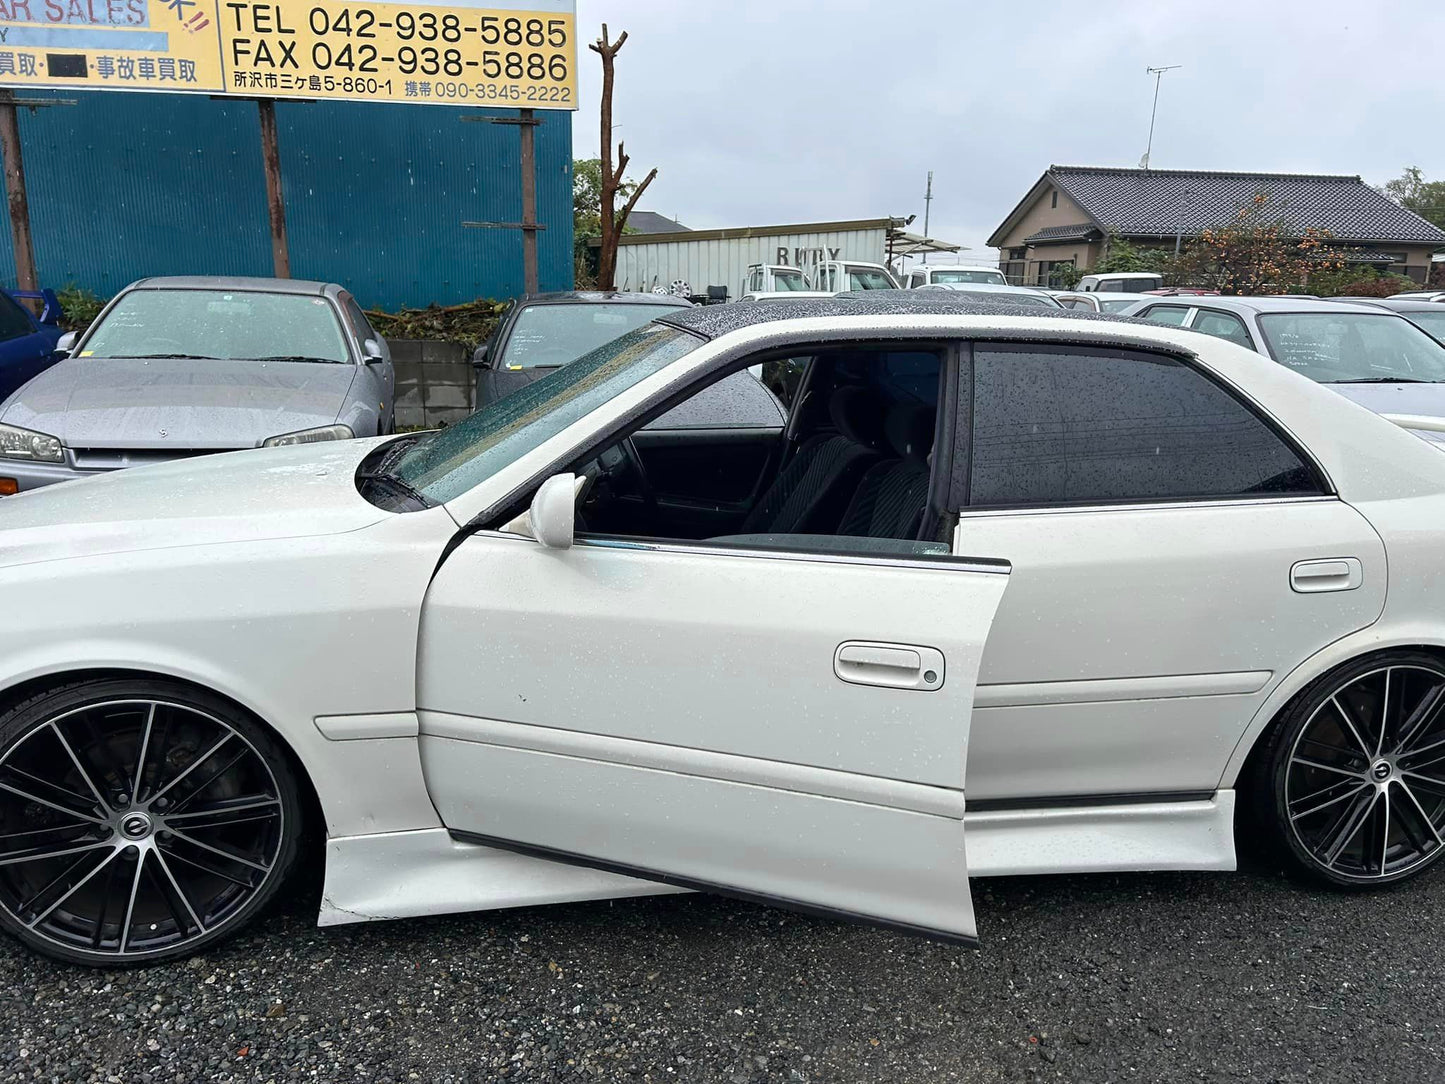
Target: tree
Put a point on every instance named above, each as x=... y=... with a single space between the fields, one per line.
x=1257 y=254
x=1124 y=256
x=587 y=217
x=1414 y=193
x=610 y=220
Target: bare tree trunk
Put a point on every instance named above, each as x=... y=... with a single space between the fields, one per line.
x=612 y=223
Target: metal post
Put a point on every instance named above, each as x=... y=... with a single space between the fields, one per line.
x=529 y=203
x=275 y=199
x=25 y=276
x=927 y=206
x=1158 y=74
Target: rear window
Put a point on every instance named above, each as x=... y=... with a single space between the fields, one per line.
x=1350 y=347
x=994 y=277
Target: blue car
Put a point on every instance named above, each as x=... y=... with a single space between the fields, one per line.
x=27 y=345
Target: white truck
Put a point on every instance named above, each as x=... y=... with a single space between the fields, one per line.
x=945 y=274
x=826 y=276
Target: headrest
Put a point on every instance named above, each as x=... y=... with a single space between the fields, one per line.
x=909 y=429
x=854 y=412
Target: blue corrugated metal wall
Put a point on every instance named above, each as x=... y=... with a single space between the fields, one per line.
x=128 y=185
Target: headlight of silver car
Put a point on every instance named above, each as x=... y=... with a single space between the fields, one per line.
x=17 y=443
x=310 y=436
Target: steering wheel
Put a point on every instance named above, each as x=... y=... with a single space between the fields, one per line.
x=639 y=473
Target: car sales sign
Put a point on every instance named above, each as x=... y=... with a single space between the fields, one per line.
x=511 y=53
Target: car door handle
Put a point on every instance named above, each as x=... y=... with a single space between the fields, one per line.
x=891 y=666
x=1329 y=574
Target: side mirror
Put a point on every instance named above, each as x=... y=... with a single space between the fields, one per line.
x=553 y=515
x=371 y=352
x=479 y=356
x=66 y=343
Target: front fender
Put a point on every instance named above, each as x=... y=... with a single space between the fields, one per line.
x=291 y=629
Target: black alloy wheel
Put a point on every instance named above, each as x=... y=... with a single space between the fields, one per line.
x=139 y=821
x=1356 y=772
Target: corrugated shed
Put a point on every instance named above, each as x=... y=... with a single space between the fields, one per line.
x=642 y=265
x=128 y=185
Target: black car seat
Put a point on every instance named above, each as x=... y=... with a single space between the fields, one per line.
x=810 y=493
x=891 y=496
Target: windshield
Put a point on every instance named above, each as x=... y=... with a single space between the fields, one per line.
x=547 y=335
x=869 y=278
x=221 y=325
x=789 y=280
x=446 y=464
x=1433 y=322
x=1346 y=347
x=1117 y=306
x=994 y=277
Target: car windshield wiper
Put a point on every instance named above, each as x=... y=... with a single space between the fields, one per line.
x=192 y=357
x=1385 y=380
x=298 y=357
x=386 y=478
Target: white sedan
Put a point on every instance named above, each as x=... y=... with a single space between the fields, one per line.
x=1140 y=586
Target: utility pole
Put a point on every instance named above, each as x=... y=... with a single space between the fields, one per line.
x=927 y=206
x=25 y=275
x=1158 y=74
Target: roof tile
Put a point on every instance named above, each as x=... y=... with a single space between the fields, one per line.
x=1161 y=202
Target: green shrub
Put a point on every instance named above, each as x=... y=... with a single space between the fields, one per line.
x=79 y=307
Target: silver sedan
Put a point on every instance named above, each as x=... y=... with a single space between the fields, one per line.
x=178 y=367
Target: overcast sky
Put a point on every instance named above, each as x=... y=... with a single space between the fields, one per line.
x=758 y=112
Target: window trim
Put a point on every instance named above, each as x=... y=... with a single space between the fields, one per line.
x=1326 y=488
x=658 y=404
x=1244 y=325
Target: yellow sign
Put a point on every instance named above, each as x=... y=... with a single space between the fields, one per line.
x=504 y=53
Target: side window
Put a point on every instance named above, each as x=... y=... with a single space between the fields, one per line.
x=13 y=322
x=359 y=323
x=1222 y=325
x=1173 y=315
x=1086 y=426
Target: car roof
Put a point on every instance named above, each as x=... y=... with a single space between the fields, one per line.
x=1124 y=275
x=1261 y=304
x=954 y=267
x=237 y=282
x=1107 y=295
x=712 y=321
x=989 y=288
x=611 y=297
x=1394 y=304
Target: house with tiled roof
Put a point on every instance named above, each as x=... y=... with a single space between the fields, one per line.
x=1072 y=213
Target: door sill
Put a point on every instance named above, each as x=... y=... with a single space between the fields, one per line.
x=816 y=910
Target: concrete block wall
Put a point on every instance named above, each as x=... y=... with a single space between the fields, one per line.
x=434 y=382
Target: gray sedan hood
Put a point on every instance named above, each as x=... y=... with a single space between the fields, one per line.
x=158 y=403
x=1403 y=401
x=1423 y=399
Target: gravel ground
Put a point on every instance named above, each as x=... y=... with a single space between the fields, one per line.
x=1162 y=977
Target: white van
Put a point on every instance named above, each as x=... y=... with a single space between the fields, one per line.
x=1121 y=282
x=929 y=275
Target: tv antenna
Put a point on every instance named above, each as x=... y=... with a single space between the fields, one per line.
x=1158 y=74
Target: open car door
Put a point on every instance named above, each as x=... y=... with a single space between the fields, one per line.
x=787 y=725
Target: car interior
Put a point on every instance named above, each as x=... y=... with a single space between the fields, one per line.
x=853 y=460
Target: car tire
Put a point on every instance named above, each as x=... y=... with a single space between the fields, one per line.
x=91 y=873
x=1351 y=785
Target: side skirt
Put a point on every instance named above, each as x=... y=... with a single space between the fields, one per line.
x=428 y=872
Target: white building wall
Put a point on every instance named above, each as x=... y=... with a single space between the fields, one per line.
x=642 y=265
